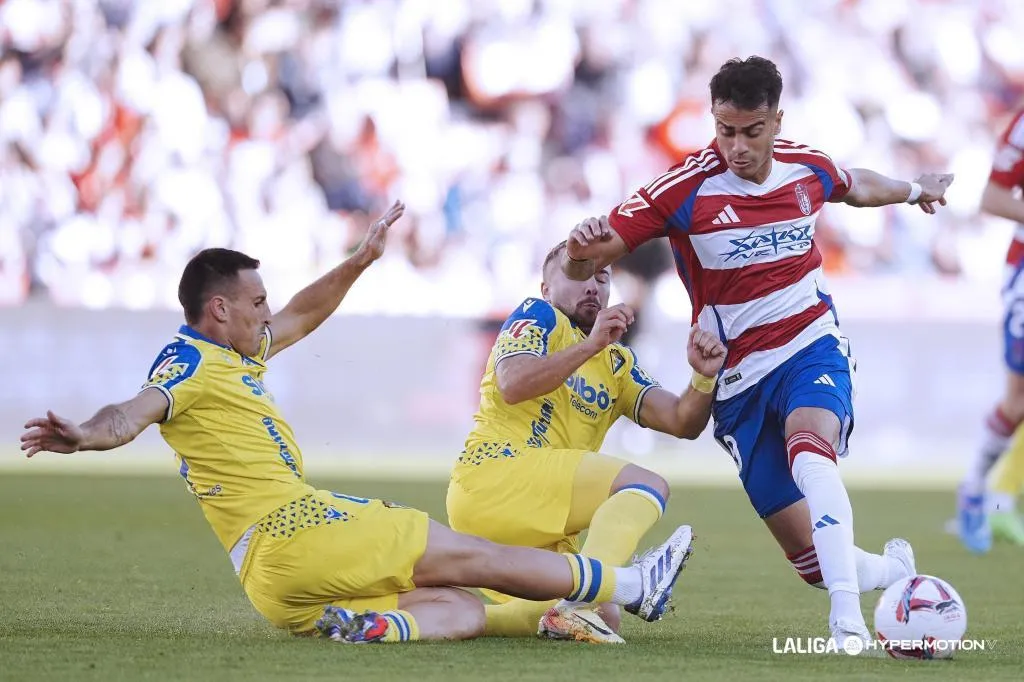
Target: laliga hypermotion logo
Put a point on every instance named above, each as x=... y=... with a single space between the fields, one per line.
x=909 y=603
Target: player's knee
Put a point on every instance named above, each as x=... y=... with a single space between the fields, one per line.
x=638 y=477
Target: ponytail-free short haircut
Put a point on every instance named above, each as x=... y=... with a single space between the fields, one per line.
x=747 y=83
x=211 y=272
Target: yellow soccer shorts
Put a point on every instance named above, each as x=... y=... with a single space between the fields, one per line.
x=335 y=549
x=538 y=497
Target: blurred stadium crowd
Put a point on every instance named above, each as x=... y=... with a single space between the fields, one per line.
x=133 y=134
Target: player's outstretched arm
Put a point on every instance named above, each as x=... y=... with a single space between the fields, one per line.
x=525 y=377
x=869 y=188
x=686 y=415
x=1001 y=202
x=310 y=307
x=111 y=427
x=591 y=245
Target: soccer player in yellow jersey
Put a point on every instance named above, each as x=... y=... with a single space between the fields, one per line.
x=310 y=560
x=530 y=473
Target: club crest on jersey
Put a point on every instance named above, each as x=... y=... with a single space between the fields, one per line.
x=617 y=360
x=803 y=198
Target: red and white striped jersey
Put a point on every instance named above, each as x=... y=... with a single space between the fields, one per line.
x=745 y=251
x=1008 y=172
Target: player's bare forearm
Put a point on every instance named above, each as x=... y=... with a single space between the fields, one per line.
x=1001 y=202
x=111 y=427
x=308 y=309
x=117 y=425
x=870 y=188
x=525 y=377
x=108 y=429
x=682 y=416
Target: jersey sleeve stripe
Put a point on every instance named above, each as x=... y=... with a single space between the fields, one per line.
x=692 y=162
x=639 y=404
x=515 y=353
x=686 y=176
x=167 y=394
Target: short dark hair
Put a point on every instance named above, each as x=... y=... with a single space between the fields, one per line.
x=210 y=272
x=747 y=83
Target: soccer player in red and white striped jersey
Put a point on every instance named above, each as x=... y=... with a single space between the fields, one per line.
x=740 y=217
x=1001 y=198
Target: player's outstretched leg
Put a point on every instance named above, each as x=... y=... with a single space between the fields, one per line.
x=456 y=560
x=618 y=503
x=643 y=588
x=615 y=513
x=812 y=459
x=792 y=529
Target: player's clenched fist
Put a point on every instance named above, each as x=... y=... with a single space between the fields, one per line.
x=610 y=325
x=589 y=231
x=704 y=352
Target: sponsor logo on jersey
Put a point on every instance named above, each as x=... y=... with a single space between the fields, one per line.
x=756 y=244
x=588 y=397
x=283 y=450
x=257 y=386
x=539 y=427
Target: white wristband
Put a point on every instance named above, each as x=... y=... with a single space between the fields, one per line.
x=915 y=193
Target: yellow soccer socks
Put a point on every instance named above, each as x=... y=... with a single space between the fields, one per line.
x=620 y=523
x=402 y=627
x=515 y=618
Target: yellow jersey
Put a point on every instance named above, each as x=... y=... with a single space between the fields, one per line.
x=576 y=415
x=236 y=452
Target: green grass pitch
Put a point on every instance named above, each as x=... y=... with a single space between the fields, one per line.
x=109 y=578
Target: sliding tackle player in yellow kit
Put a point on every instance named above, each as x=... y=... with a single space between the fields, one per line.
x=354 y=569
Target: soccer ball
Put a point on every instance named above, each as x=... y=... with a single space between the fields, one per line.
x=920 y=617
